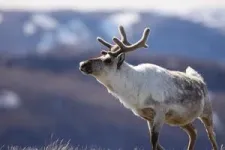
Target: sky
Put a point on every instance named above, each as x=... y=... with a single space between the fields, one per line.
x=180 y=6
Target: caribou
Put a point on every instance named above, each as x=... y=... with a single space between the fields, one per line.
x=153 y=93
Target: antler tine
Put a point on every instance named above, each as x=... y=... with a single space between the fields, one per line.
x=123 y=35
x=127 y=48
x=104 y=42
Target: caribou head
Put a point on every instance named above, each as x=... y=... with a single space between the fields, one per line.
x=111 y=60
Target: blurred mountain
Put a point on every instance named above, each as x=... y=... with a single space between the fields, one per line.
x=191 y=35
x=44 y=97
x=214 y=17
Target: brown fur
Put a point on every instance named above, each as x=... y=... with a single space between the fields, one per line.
x=208 y=123
x=148 y=114
x=192 y=133
x=171 y=119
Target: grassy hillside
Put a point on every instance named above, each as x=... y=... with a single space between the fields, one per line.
x=55 y=98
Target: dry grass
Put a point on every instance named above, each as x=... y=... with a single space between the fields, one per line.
x=57 y=145
x=60 y=145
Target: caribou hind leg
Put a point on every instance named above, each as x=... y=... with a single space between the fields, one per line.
x=207 y=119
x=208 y=123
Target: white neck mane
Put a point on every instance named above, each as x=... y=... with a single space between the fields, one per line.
x=120 y=79
x=133 y=84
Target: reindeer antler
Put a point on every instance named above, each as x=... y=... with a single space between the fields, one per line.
x=123 y=46
x=122 y=35
x=104 y=42
x=127 y=48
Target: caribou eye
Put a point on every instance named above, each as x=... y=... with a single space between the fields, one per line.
x=103 y=52
x=108 y=61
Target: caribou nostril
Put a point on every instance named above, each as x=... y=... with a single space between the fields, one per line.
x=85 y=66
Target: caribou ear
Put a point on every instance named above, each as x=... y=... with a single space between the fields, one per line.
x=121 y=58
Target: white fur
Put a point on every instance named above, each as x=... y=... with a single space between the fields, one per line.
x=192 y=72
x=132 y=85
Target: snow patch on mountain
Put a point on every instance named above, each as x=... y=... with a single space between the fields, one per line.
x=9 y=99
x=72 y=33
x=29 y=28
x=44 y=21
x=212 y=18
x=46 y=42
x=127 y=19
x=1 y=18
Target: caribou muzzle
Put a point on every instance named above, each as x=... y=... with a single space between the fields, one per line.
x=86 y=67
